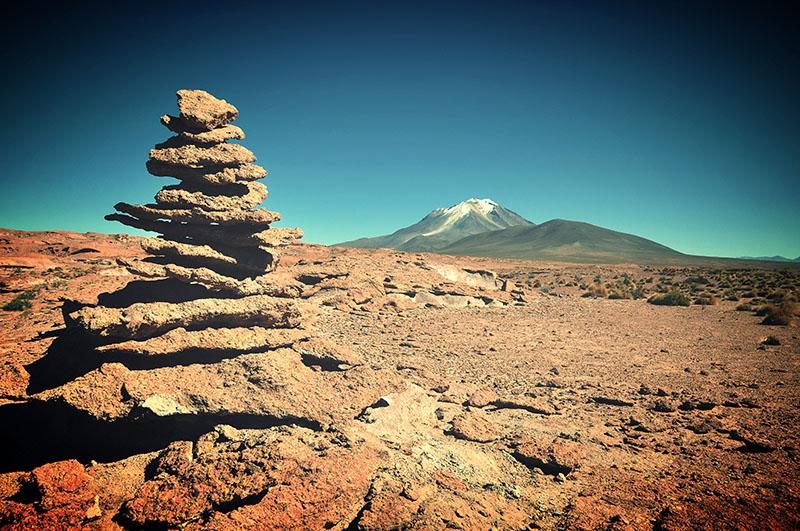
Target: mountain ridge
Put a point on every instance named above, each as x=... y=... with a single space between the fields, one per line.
x=443 y=226
x=482 y=227
x=561 y=239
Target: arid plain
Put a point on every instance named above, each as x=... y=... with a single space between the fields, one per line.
x=437 y=392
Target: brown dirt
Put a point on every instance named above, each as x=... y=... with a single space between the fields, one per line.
x=439 y=396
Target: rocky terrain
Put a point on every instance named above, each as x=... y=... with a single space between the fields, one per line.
x=225 y=376
x=436 y=392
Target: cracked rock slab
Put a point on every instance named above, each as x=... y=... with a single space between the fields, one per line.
x=254 y=218
x=147 y=319
x=277 y=285
x=240 y=196
x=180 y=340
x=275 y=385
x=475 y=426
x=559 y=456
x=287 y=478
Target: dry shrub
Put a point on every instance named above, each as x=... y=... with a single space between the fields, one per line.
x=777 y=315
x=596 y=290
x=673 y=298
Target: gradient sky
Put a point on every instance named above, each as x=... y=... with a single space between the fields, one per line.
x=679 y=124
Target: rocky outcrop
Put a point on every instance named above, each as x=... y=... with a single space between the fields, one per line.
x=212 y=235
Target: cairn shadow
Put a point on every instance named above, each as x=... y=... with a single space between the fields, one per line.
x=43 y=432
x=167 y=290
x=73 y=353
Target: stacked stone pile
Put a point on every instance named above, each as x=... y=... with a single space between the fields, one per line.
x=214 y=234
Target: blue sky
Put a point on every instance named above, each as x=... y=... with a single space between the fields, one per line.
x=676 y=124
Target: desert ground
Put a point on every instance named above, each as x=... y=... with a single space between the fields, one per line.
x=436 y=393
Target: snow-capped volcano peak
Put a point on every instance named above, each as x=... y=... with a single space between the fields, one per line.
x=484 y=206
x=445 y=225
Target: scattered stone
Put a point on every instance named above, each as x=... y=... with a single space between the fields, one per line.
x=663 y=406
x=526 y=403
x=474 y=426
x=559 y=456
x=769 y=340
x=611 y=401
x=482 y=397
x=702 y=405
x=751 y=444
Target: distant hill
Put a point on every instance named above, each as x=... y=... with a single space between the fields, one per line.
x=563 y=240
x=444 y=226
x=482 y=227
x=776 y=258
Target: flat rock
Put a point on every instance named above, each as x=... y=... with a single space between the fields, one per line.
x=202 y=111
x=558 y=456
x=206 y=138
x=276 y=285
x=474 y=426
x=527 y=403
x=257 y=218
x=217 y=176
x=147 y=319
x=66 y=498
x=326 y=354
x=293 y=478
x=217 y=258
x=212 y=235
x=193 y=156
x=482 y=397
x=272 y=388
x=240 y=196
x=180 y=341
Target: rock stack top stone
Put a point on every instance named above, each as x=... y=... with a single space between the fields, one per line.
x=212 y=234
x=200 y=112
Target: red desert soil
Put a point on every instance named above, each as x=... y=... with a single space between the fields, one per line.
x=443 y=393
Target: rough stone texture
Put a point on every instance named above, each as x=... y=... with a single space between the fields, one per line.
x=208 y=176
x=144 y=320
x=475 y=426
x=269 y=388
x=482 y=398
x=387 y=458
x=296 y=479
x=201 y=253
x=559 y=456
x=205 y=139
x=256 y=218
x=214 y=155
x=201 y=110
x=234 y=197
x=327 y=354
x=65 y=498
x=229 y=340
x=277 y=285
x=214 y=235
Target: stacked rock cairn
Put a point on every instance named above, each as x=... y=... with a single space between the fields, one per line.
x=212 y=234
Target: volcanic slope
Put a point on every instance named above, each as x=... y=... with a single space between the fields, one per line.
x=445 y=226
x=563 y=240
